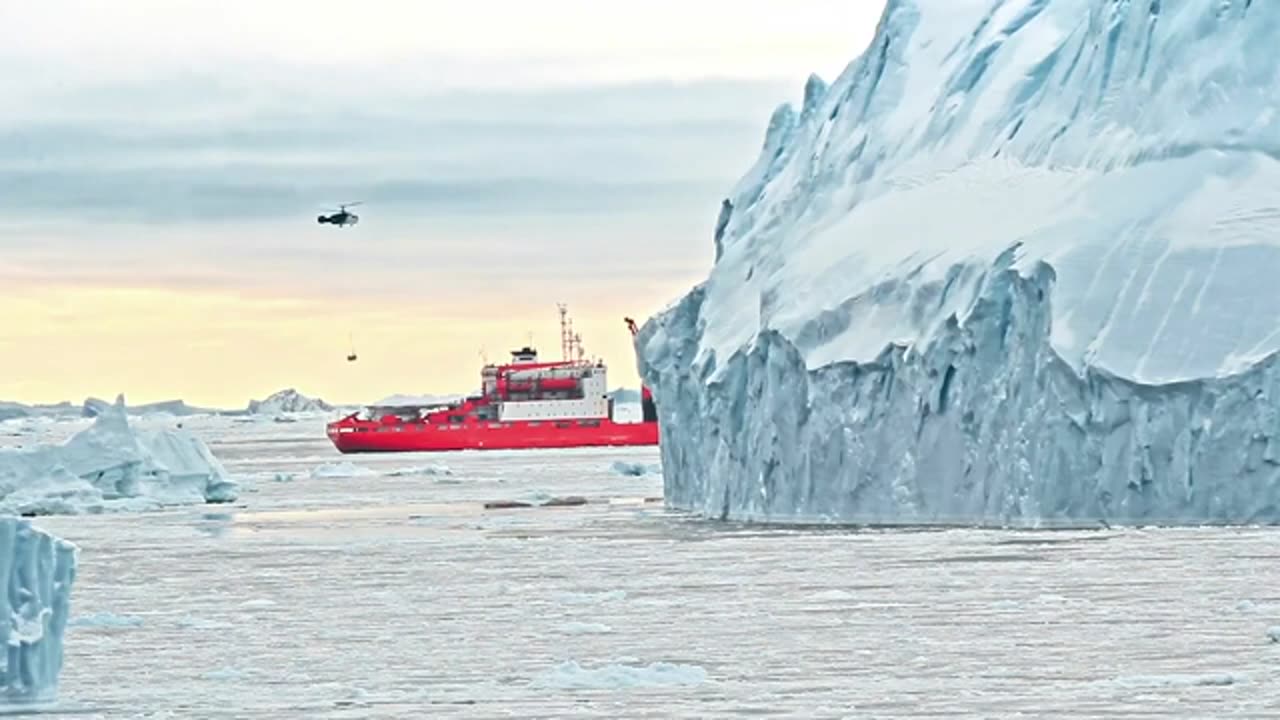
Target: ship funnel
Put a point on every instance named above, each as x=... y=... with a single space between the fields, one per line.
x=525 y=354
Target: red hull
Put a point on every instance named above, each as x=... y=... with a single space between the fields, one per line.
x=356 y=436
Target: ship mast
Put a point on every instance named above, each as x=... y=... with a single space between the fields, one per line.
x=566 y=332
x=571 y=349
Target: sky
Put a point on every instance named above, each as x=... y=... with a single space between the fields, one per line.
x=162 y=164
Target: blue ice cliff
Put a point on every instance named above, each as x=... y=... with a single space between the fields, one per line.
x=1019 y=265
x=38 y=570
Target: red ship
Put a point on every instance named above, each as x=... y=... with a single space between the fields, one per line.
x=525 y=404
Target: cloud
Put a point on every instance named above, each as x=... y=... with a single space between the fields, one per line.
x=556 y=151
x=162 y=163
x=565 y=184
x=479 y=43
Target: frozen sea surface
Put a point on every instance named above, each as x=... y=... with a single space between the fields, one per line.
x=402 y=596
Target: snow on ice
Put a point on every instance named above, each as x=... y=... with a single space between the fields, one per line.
x=1014 y=267
x=112 y=466
x=38 y=570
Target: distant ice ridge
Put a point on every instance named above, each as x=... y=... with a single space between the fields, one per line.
x=38 y=571
x=112 y=466
x=13 y=410
x=93 y=407
x=1014 y=267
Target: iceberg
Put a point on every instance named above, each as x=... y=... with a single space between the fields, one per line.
x=112 y=466
x=1013 y=267
x=38 y=570
x=288 y=401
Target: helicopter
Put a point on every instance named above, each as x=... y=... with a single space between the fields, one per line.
x=341 y=217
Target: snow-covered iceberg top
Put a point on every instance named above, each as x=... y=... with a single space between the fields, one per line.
x=288 y=401
x=38 y=570
x=112 y=466
x=1015 y=265
x=1129 y=145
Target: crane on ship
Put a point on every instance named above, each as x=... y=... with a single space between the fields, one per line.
x=647 y=405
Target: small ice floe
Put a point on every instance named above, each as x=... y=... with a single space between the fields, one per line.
x=585 y=628
x=224 y=674
x=1273 y=633
x=590 y=598
x=636 y=469
x=1208 y=679
x=831 y=596
x=192 y=622
x=421 y=471
x=105 y=620
x=357 y=697
x=567 y=501
x=342 y=469
x=572 y=676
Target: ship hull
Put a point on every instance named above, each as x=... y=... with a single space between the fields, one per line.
x=350 y=436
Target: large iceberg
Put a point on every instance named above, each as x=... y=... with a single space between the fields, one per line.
x=38 y=571
x=288 y=401
x=112 y=466
x=1015 y=267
